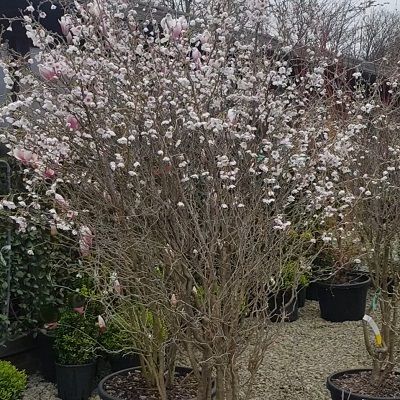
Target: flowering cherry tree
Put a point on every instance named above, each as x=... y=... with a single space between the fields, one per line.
x=187 y=158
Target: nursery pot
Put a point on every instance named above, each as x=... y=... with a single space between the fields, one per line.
x=338 y=393
x=47 y=356
x=312 y=291
x=119 y=362
x=75 y=382
x=102 y=392
x=345 y=301
x=301 y=295
x=283 y=306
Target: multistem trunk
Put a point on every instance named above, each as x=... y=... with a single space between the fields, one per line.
x=204 y=390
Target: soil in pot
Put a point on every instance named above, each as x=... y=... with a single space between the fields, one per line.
x=283 y=306
x=130 y=385
x=357 y=385
x=345 y=301
x=75 y=382
x=119 y=362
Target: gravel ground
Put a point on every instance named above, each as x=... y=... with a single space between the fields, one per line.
x=297 y=364
x=308 y=350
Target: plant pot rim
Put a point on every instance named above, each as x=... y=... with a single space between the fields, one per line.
x=104 y=395
x=366 y=280
x=74 y=365
x=330 y=385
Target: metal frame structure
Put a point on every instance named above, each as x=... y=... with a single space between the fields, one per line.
x=5 y=261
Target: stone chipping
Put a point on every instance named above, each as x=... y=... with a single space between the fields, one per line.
x=297 y=364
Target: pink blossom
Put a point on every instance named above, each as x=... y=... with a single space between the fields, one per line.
x=176 y=31
x=25 y=156
x=196 y=56
x=85 y=241
x=47 y=73
x=49 y=173
x=65 y=24
x=72 y=123
x=80 y=310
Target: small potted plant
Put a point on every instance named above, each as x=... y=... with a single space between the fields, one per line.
x=283 y=304
x=12 y=381
x=75 y=347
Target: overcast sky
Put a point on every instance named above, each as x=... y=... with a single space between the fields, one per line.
x=392 y=4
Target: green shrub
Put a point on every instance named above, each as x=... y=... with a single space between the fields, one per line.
x=75 y=342
x=40 y=266
x=116 y=338
x=293 y=273
x=12 y=381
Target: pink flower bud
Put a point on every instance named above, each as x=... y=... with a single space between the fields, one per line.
x=53 y=230
x=61 y=201
x=117 y=287
x=85 y=240
x=173 y=301
x=101 y=323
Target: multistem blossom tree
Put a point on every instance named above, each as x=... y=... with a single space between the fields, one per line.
x=376 y=190
x=187 y=158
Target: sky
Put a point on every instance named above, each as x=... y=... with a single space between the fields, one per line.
x=391 y=4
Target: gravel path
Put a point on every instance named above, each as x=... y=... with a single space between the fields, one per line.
x=309 y=349
x=296 y=366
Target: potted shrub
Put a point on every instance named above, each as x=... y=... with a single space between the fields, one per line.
x=342 y=288
x=147 y=332
x=117 y=344
x=12 y=382
x=374 y=220
x=75 y=348
x=284 y=303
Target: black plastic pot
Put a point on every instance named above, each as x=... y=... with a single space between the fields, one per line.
x=47 y=356
x=338 y=393
x=301 y=295
x=105 y=396
x=283 y=306
x=119 y=362
x=21 y=351
x=344 y=302
x=75 y=382
x=312 y=291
